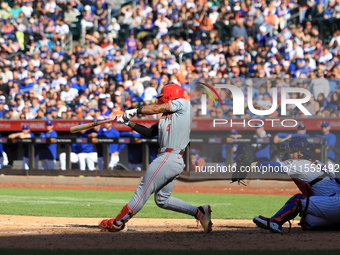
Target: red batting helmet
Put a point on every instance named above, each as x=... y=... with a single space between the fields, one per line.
x=170 y=92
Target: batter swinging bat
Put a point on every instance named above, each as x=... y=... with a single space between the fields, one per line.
x=86 y=126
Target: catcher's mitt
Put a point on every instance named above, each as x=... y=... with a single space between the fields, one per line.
x=241 y=173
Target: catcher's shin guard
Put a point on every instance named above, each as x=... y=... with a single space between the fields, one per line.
x=124 y=216
x=290 y=210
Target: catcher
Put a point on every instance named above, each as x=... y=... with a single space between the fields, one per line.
x=319 y=201
x=173 y=131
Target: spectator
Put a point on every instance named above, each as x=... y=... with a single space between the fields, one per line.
x=88 y=18
x=240 y=30
x=104 y=109
x=214 y=14
x=62 y=30
x=319 y=50
x=297 y=52
x=103 y=28
x=334 y=102
x=94 y=50
x=313 y=105
x=131 y=43
x=150 y=92
x=206 y=25
x=283 y=14
x=27 y=9
x=262 y=37
x=184 y=46
x=69 y=94
x=100 y=13
x=86 y=70
x=16 y=10
x=71 y=15
x=50 y=8
x=252 y=28
x=113 y=29
x=320 y=85
x=162 y=23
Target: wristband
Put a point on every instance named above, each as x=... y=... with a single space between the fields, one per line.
x=139 y=110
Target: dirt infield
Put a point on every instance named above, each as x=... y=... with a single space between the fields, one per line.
x=82 y=233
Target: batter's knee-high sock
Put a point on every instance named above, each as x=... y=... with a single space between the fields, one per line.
x=124 y=216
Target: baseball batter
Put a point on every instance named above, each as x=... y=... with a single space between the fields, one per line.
x=173 y=132
x=318 y=205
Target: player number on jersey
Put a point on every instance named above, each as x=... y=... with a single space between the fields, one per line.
x=168 y=128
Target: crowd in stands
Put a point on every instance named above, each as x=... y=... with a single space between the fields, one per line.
x=167 y=41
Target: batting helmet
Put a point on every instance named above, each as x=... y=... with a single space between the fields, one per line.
x=294 y=145
x=170 y=92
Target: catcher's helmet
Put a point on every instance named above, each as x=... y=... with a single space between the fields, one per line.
x=170 y=92
x=294 y=145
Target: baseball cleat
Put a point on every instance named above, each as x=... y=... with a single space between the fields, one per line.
x=108 y=225
x=267 y=223
x=203 y=215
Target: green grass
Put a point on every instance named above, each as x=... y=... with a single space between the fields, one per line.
x=97 y=204
x=162 y=252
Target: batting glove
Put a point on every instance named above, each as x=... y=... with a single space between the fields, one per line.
x=129 y=114
x=120 y=119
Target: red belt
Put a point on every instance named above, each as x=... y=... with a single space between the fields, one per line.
x=170 y=150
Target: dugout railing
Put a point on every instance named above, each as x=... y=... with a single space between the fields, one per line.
x=209 y=144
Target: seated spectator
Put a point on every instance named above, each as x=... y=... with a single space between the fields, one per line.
x=206 y=25
x=71 y=15
x=27 y=9
x=334 y=102
x=62 y=30
x=113 y=29
x=162 y=23
x=100 y=12
x=68 y=94
x=16 y=10
x=240 y=30
x=88 y=18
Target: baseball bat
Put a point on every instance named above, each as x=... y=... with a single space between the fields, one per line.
x=86 y=126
